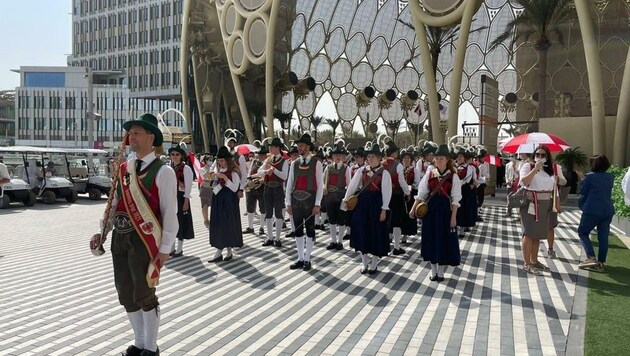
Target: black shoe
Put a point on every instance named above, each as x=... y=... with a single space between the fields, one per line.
x=478 y=219
x=398 y=251
x=268 y=243
x=372 y=271
x=405 y=242
x=172 y=253
x=228 y=258
x=297 y=265
x=284 y=225
x=434 y=278
x=307 y=266
x=326 y=221
x=150 y=353
x=291 y=234
x=339 y=246
x=467 y=229
x=346 y=237
x=177 y=254
x=261 y=231
x=363 y=270
x=249 y=230
x=277 y=243
x=218 y=259
x=331 y=246
x=132 y=351
x=440 y=279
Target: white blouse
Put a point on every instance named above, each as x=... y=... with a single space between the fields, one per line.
x=541 y=181
x=234 y=183
x=424 y=191
x=386 y=186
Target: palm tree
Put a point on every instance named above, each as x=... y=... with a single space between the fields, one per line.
x=572 y=159
x=334 y=124
x=541 y=22
x=315 y=121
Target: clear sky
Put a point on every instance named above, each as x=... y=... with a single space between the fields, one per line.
x=35 y=33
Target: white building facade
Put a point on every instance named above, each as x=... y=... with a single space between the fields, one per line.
x=51 y=107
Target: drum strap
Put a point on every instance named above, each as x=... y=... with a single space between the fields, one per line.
x=438 y=187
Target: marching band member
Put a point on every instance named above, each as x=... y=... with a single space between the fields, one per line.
x=427 y=153
x=293 y=156
x=275 y=170
x=468 y=205
x=483 y=178
x=225 y=219
x=359 y=161
x=141 y=243
x=370 y=227
x=400 y=192
x=409 y=226
x=238 y=159
x=184 y=175
x=303 y=199
x=440 y=245
x=257 y=194
x=321 y=217
x=336 y=178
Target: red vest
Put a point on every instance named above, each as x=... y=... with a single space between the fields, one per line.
x=179 y=173
x=390 y=165
x=445 y=189
x=277 y=165
x=228 y=174
x=337 y=177
x=462 y=172
x=376 y=183
x=410 y=175
x=305 y=178
x=148 y=186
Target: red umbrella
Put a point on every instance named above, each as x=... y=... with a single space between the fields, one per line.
x=553 y=142
x=246 y=149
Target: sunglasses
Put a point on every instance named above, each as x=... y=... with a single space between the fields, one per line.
x=541 y=155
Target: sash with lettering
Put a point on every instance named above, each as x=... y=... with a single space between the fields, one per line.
x=146 y=223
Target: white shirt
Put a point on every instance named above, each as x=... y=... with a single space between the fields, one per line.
x=233 y=183
x=167 y=191
x=424 y=191
x=319 y=179
x=561 y=179
x=470 y=175
x=484 y=173
x=242 y=167
x=511 y=171
x=541 y=181
x=188 y=181
x=282 y=174
x=422 y=167
x=386 y=186
x=401 y=179
x=625 y=186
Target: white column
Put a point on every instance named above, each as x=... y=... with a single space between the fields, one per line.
x=622 y=134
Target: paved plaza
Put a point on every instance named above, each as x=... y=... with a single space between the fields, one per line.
x=58 y=299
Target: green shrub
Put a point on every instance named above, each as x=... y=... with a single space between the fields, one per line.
x=621 y=208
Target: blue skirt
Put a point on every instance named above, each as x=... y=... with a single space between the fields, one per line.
x=439 y=243
x=369 y=235
x=225 y=220
x=467 y=212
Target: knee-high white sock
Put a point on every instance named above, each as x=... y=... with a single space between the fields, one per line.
x=151 y=320
x=348 y=230
x=434 y=269
x=218 y=253
x=309 y=249
x=269 y=229
x=279 y=222
x=341 y=232
x=324 y=216
x=137 y=324
x=441 y=270
x=250 y=220
x=333 y=233
x=374 y=263
x=364 y=260
x=180 y=245
x=318 y=219
x=397 y=236
x=292 y=224
x=299 y=244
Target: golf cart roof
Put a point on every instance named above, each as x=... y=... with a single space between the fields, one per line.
x=29 y=149
x=89 y=151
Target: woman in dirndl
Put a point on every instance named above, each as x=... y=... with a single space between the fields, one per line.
x=370 y=218
x=225 y=220
x=440 y=244
x=184 y=175
x=205 y=189
x=409 y=225
x=538 y=180
x=467 y=212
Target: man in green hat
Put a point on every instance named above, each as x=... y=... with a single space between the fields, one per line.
x=400 y=193
x=256 y=194
x=336 y=180
x=145 y=225
x=275 y=171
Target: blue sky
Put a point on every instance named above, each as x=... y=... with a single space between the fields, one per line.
x=33 y=32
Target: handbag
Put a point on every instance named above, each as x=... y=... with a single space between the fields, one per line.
x=422 y=208
x=517 y=199
x=353 y=200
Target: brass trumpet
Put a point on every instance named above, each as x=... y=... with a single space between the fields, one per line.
x=254 y=183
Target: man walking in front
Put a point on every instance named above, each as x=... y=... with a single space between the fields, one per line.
x=145 y=226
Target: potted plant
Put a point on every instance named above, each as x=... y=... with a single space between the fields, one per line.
x=572 y=159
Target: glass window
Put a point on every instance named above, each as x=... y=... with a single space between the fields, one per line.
x=44 y=79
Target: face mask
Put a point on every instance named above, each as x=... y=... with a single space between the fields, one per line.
x=540 y=159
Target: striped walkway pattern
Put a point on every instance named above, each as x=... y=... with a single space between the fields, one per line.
x=58 y=299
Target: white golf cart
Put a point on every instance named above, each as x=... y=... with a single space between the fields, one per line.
x=17 y=190
x=46 y=172
x=88 y=171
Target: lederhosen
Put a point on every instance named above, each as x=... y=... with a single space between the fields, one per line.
x=336 y=180
x=397 y=203
x=274 y=191
x=255 y=195
x=184 y=218
x=129 y=254
x=303 y=197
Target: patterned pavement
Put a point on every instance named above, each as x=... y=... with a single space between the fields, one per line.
x=58 y=299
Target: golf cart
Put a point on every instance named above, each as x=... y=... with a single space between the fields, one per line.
x=17 y=190
x=46 y=173
x=88 y=171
